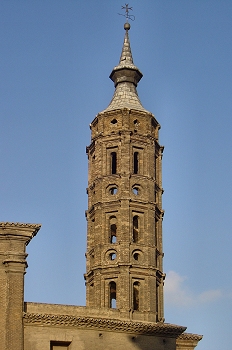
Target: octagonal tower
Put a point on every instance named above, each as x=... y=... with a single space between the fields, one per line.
x=124 y=240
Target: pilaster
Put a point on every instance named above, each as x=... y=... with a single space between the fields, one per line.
x=13 y=240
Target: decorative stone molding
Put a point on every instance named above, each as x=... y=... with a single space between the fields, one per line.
x=19 y=225
x=18 y=231
x=190 y=336
x=159 y=329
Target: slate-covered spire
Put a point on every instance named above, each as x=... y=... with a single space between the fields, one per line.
x=126 y=58
x=125 y=77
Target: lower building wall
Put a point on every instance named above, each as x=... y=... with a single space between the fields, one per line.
x=66 y=327
x=58 y=338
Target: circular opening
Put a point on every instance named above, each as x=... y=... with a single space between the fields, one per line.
x=135 y=190
x=114 y=121
x=136 y=256
x=112 y=256
x=136 y=121
x=113 y=190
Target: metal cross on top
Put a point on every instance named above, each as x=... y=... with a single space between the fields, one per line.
x=127 y=9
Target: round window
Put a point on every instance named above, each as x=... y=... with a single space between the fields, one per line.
x=113 y=190
x=135 y=190
x=112 y=256
x=136 y=256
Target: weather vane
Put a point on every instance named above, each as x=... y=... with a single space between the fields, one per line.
x=127 y=9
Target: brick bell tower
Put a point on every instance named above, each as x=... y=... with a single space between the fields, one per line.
x=124 y=240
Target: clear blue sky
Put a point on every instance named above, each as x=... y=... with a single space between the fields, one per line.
x=56 y=56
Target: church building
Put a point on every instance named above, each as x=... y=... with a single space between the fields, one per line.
x=124 y=257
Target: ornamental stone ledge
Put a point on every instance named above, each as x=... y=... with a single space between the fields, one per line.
x=190 y=336
x=148 y=328
x=125 y=110
x=19 y=225
x=18 y=230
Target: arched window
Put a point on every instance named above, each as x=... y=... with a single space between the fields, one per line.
x=113 y=229
x=136 y=162
x=135 y=229
x=112 y=294
x=136 y=296
x=113 y=163
x=113 y=233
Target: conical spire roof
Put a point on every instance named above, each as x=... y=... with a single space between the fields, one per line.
x=125 y=77
x=126 y=59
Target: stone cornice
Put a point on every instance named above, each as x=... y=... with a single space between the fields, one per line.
x=18 y=231
x=19 y=225
x=125 y=110
x=190 y=336
x=159 y=329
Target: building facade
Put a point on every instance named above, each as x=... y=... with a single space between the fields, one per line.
x=124 y=270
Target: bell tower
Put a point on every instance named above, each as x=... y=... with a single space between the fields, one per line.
x=124 y=240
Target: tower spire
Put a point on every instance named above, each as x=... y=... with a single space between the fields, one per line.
x=125 y=77
x=126 y=55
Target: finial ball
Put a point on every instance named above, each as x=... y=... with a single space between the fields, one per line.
x=127 y=26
